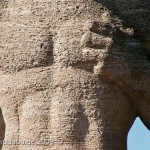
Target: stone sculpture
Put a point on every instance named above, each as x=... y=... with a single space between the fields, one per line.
x=73 y=72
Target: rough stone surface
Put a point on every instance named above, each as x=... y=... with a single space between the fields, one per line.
x=75 y=73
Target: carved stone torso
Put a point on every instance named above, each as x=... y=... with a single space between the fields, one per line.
x=71 y=72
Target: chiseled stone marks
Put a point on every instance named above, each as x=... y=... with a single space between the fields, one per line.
x=27 y=41
x=97 y=37
x=78 y=112
x=98 y=27
x=29 y=96
x=96 y=41
x=49 y=97
x=27 y=30
x=3 y=6
x=26 y=49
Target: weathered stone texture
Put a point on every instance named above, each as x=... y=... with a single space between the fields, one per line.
x=73 y=72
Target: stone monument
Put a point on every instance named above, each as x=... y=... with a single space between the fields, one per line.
x=74 y=74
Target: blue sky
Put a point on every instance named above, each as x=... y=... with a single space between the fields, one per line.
x=139 y=137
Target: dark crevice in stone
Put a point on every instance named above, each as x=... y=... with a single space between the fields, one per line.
x=2 y=128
